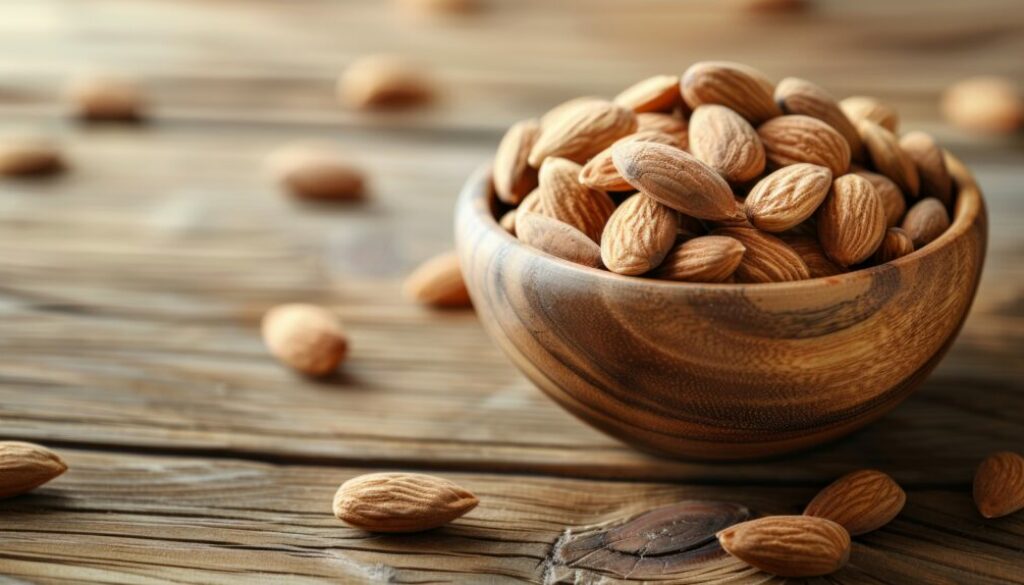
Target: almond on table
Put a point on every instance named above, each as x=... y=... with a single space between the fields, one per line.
x=789 y=546
x=308 y=338
x=438 y=282
x=401 y=502
x=26 y=466
x=860 y=502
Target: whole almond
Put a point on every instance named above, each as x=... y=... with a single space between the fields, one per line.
x=787 y=197
x=557 y=238
x=565 y=199
x=567 y=106
x=26 y=466
x=818 y=264
x=532 y=203
x=925 y=221
x=999 y=485
x=789 y=546
x=25 y=155
x=384 y=81
x=860 y=502
x=851 y=221
x=438 y=282
x=931 y=166
x=892 y=198
x=666 y=124
x=581 y=131
x=888 y=158
x=676 y=179
x=742 y=89
x=799 y=96
x=986 y=104
x=793 y=139
x=514 y=178
x=895 y=244
x=767 y=258
x=508 y=221
x=861 y=107
x=106 y=97
x=659 y=93
x=702 y=259
x=600 y=172
x=638 y=235
x=316 y=171
x=726 y=142
x=401 y=502
x=307 y=338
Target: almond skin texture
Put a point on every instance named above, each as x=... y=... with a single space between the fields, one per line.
x=726 y=142
x=985 y=104
x=316 y=172
x=26 y=466
x=767 y=258
x=799 y=96
x=307 y=338
x=789 y=546
x=565 y=199
x=860 y=502
x=742 y=89
x=925 y=221
x=384 y=82
x=438 y=283
x=892 y=198
x=659 y=93
x=638 y=235
x=895 y=244
x=851 y=221
x=514 y=178
x=888 y=158
x=532 y=203
x=22 y=156
x=676 y=179
x=582 y=130
x=931 y=166
x=702 y=259
x=401 y=502
x=600 y=172
x=558 y=239
x=667 y=124
x=106 y=98
x=787 y=197
x=818 y=264
x=861 y=107
x=999 y=485
x=793 y=139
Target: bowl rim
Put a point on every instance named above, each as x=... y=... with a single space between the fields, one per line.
x=478 y=194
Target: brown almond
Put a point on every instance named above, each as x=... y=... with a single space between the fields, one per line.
x=401 y=502
x=558 y=239
x=888 y=158
x=892 y=198
x=931 y=166
x=799 y=96
x=726 y=142
x=659 y=93
x=317 y=172
x=987 y=104
x=582 y=130
x=514 y=178
x=702 y=259
x=999 y=485
x=811 y=252
x=638 y=235
x=600 y=172
x=861 y=107
x=851 y=221
x=384 y=81
x=895 y=244
x=27 y=155
x=767 y=258
x=307 y=338
x=925 y=221
x=438 y=282
x=565 y=199
x=667 y=124
x=789 y=546
x=508 y=221
x=787 y=197
x=676 y=179
x=26 y=466
x=794 y=139
x=860 y=502
x=106 y=97
x=532 y=203
x=740 y=88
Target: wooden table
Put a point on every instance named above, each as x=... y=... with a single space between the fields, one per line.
x=131 y=289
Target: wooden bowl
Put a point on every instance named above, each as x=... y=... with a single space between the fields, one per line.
x=722 y=371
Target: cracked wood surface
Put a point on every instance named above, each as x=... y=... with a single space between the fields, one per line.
x=131 y=288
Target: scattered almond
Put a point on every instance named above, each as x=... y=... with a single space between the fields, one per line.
x=582 y=130
x=794 y=139
x=105 y=97
x=420 y=8
x=740 y=88
x=860 y=107
x=401 y=502
x=702 y=259
x=999 y=485
x=25 y=155
x=925 y=221
x=600 y=172
x=307 y=338
x=316 y=171
x=666 y=124
x=557 y=238
x=659 y=93
x=384 y=81
x=726 y=142
x=802 y=97
x=789 y=546
x=986 y=104
x=767 y=258
x=438 y=283
x=514 y=178
x=860 y=502
x=26 y=466
x=893 y=203
x=566 y=199
x=787 y=197
x=931 y=166
x=888 y=158
x=895 y=244
x=851 y=221
x=639 y=234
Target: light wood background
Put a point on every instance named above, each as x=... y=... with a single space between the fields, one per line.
x=131 y=288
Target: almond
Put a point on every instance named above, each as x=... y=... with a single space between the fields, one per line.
x=726 y=142
x=702 y=259
x=811 y=252
x=659 y=93
x=582 y=130
x=860 y=502
x=895 y=244
x=676 y=179
x=26 y=466
x=999 y=485
x=793 y=139
x=861 y=107
x=986 y=104
x=888 y=158
x=565 y=199
x=532 y=203
x=851 y=221
x=24 y=155
x=384 y=81
x=892 y=198
x=438 y=283
x=558 y=239
x=787 y=197
x=638 y=235
x=600 y=172
x=789 y=546
x=508 y=221
x=925 y=221
x=307 y=338
x=316 y=171
x=799 y=96
x=767 y=258
x=401 y=502
x=931 y=166
x=667 y=124
x=106 y=97
x=742 y=89
x=514 y=178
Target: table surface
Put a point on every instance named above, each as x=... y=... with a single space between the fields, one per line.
x=131 y=288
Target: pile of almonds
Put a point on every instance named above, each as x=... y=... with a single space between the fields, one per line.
x=722 y=176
